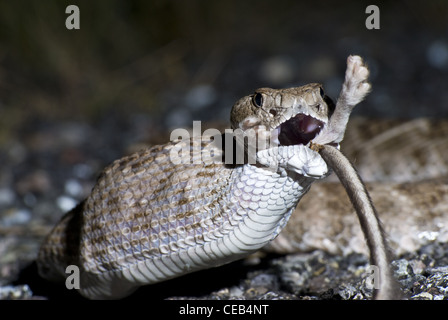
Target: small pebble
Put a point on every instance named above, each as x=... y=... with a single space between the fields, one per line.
x=66 y=203
x=236 y=291
x=15 y=292
x=7 y=197
x=83 y=171
x=437 y=54
x=423 y=296
x=29 y=199
x=73 y=188
x=347 y=291
x=15 y=217
x=402 y=269
x=264 y=280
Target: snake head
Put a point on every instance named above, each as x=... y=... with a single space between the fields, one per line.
x=283 y=117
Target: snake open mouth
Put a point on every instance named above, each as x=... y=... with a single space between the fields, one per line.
x=300 y=129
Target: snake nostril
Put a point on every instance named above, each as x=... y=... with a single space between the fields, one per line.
x=273 y=112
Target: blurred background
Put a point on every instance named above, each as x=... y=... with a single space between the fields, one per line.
x=72 y=101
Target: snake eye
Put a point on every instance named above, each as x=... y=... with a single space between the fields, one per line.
x=258 y=100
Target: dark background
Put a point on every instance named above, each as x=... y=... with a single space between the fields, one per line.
x=148 y=57
x=71 y=101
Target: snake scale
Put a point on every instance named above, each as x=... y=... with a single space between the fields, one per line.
x=150 y=218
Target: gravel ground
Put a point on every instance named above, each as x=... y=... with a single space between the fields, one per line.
x=41 y=196
x=73 y=101
x=422 y=275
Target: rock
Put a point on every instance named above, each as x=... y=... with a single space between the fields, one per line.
x=402 y=269
x=347 y=291
x=66 y=203
x=15 y=216
x=423 y=296
x=265 y=281
x=437 y=54
x=20 y=292
x=73 y=188
x=7 y=197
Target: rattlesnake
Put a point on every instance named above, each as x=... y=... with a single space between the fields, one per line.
x=113 y=269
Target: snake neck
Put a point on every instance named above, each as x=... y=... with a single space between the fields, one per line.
x=261 y=202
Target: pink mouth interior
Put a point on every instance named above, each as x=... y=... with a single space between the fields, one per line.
x=300 y=129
